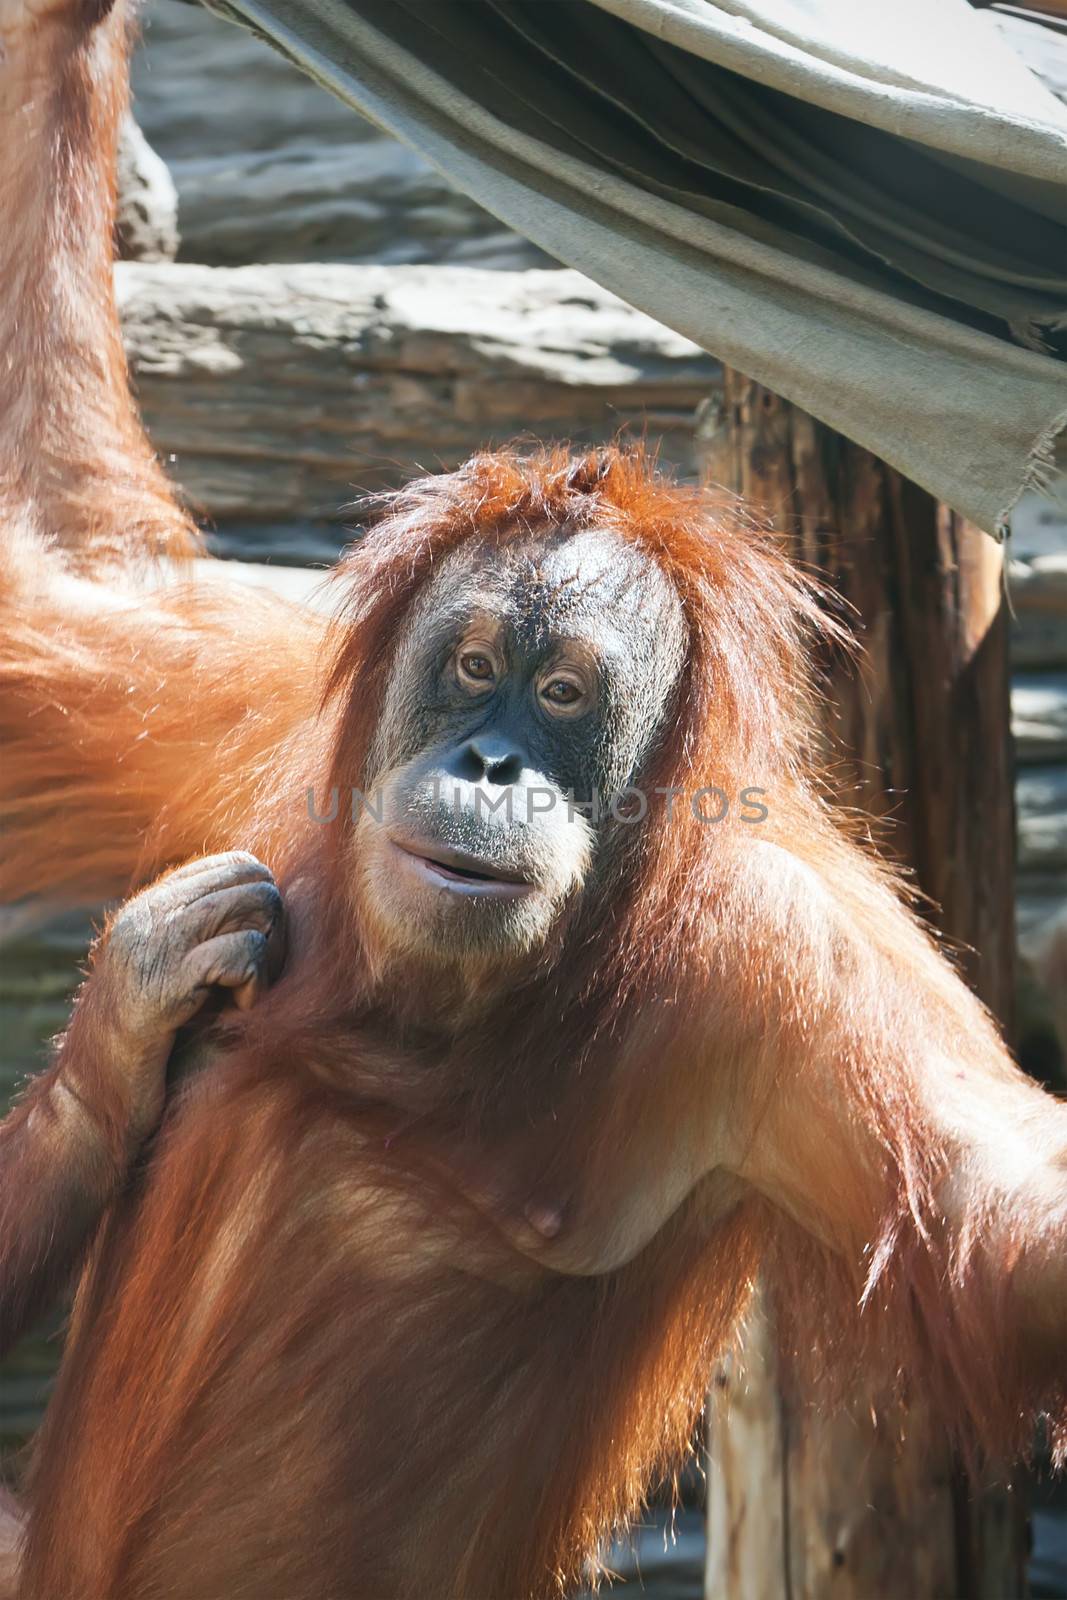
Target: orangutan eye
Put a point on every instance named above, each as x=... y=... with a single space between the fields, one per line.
x=475 y=668
x=563 y=696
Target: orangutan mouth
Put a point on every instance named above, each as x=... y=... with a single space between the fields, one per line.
x=459 y=872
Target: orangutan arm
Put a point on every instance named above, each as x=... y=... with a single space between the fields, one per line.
x=131 y=721
x=954 y=1156
x=138 y=730
x=928 y=1174
x=67 y=1147
x=64 y=1151
x=78 y=477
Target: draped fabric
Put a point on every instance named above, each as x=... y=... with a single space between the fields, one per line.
x=861 y=205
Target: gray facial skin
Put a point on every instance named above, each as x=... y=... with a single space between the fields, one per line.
x=529 y=674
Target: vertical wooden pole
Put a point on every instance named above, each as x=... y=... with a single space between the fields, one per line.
x=803 y=1507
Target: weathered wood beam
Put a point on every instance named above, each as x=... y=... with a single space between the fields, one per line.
x=921 y=740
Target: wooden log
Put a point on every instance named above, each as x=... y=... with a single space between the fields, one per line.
x=1039 y=604
x=1039 y=641
x=863 y=1509
x=146 y=218
x=1039 y=718
x=1039 y=586
x=1042 y=794
x=273 y=392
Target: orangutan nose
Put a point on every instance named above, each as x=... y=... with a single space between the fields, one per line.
x=491 y=758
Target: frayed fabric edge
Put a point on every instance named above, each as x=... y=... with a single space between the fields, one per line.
x=1039 y=474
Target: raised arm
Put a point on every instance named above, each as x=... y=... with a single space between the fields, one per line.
x=76 y=470
x=133 y=724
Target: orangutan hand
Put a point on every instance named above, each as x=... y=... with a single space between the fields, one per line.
x=216 y=922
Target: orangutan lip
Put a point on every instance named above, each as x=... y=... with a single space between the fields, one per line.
x=454 y=870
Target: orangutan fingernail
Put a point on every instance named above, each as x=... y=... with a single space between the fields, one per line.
x=547 y=1222
x=245 y=996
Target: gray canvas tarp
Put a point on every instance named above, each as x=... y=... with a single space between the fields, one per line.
x=862 y=204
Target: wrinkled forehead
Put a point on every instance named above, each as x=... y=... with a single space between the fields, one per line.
x=593 y=586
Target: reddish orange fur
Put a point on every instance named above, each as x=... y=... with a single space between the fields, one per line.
x=467 y=1420
x=108 y=774
x=304 y=1359
x=76 y=471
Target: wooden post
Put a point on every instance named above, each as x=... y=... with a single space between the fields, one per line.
x=803 y=1507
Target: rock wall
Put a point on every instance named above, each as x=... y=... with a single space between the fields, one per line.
x=269 y=167
x=276 y=393
x=1038 y=582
